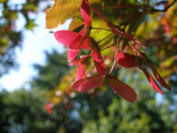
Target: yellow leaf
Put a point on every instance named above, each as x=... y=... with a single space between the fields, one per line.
x=57 y=100
x=75 y=24
x=166 y=72
x=63 y=10
x=168 y=62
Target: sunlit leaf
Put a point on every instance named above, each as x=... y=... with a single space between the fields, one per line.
x=75 y=23
x=63 y=10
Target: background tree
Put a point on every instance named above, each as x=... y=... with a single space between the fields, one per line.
x=96 y=111
x=49 y=74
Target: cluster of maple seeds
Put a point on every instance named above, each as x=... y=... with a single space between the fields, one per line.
x=82 y=40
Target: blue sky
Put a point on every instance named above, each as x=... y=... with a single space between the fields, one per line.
x=32 y=51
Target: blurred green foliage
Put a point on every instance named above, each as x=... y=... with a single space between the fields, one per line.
x=49 y=75
x=23 y=110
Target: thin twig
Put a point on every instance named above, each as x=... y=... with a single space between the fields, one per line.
x=104 y=38
x=135 y=49
x=108 y=46
x=114 y=63
x=94 y=28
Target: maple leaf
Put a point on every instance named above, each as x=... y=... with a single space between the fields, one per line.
x=75 y=23
x=62 y=10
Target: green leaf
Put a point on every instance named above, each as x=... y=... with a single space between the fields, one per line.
x=30 y=25
x=135 y=23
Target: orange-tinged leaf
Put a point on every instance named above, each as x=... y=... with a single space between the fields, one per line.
x=75 y=23
x=61 y=11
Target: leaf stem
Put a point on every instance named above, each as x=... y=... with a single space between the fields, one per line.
x=95 y=28
x=114 y=63
x=104 y=38
x=108 y=46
